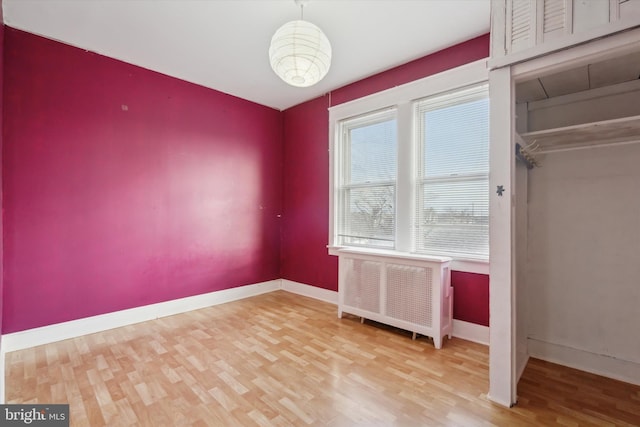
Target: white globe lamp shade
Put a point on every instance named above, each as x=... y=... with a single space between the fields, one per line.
x=300 y=53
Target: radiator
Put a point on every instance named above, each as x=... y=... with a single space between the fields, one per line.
x=408 y=291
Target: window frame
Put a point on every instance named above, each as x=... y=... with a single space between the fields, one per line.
x=402 y=98
x=459 y=96
x=343 y=176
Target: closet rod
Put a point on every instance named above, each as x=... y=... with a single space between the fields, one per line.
x=582 y=147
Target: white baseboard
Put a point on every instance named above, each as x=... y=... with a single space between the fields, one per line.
x=1 y=371
x=89 y=325
x=310 y=291
x=606 y=366
x=461 y=329
x=471 y=332
x=521 y=363
x=505 y=403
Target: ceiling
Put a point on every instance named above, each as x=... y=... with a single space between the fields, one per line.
x=223 y=44
x=590 y=76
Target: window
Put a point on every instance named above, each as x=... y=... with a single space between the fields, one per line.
x=452 y=215
x=366 y=200
x=410 y=167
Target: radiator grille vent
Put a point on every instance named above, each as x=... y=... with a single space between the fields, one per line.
x=409 y=293
x=363 y=284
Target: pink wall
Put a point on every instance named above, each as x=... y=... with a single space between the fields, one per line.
x=304 y=256
x=125 y=187
x=471 y=297
x=1 y=144
x=463 y=53
x=306 y=176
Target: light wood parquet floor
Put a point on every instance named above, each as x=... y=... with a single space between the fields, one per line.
x=280 y=359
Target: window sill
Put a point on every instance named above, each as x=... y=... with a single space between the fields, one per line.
x=463 y=265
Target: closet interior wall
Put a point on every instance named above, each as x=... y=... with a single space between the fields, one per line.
x=522 y=223
x=578 y=236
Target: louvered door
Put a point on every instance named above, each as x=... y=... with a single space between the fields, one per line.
x=520 y=24
x=532 y=22
x=522 y=29
x=555 y=20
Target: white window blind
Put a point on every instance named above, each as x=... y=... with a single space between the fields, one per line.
x=367 y=180
x=452 y=194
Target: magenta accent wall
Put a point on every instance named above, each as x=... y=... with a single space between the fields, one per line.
x=460 y=54
x=305 y=233
x=306 y=175
x=1 y=149
x=471 y=297
x=124 y=187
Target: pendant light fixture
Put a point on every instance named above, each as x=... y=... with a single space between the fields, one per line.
x=300 y=53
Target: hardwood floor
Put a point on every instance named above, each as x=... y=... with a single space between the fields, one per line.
x=280 y=359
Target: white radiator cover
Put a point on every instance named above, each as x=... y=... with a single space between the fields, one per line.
x=408 y=291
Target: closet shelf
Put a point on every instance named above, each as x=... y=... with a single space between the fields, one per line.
x=626 y=129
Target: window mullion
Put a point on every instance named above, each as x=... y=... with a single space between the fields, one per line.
x=405 y=188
